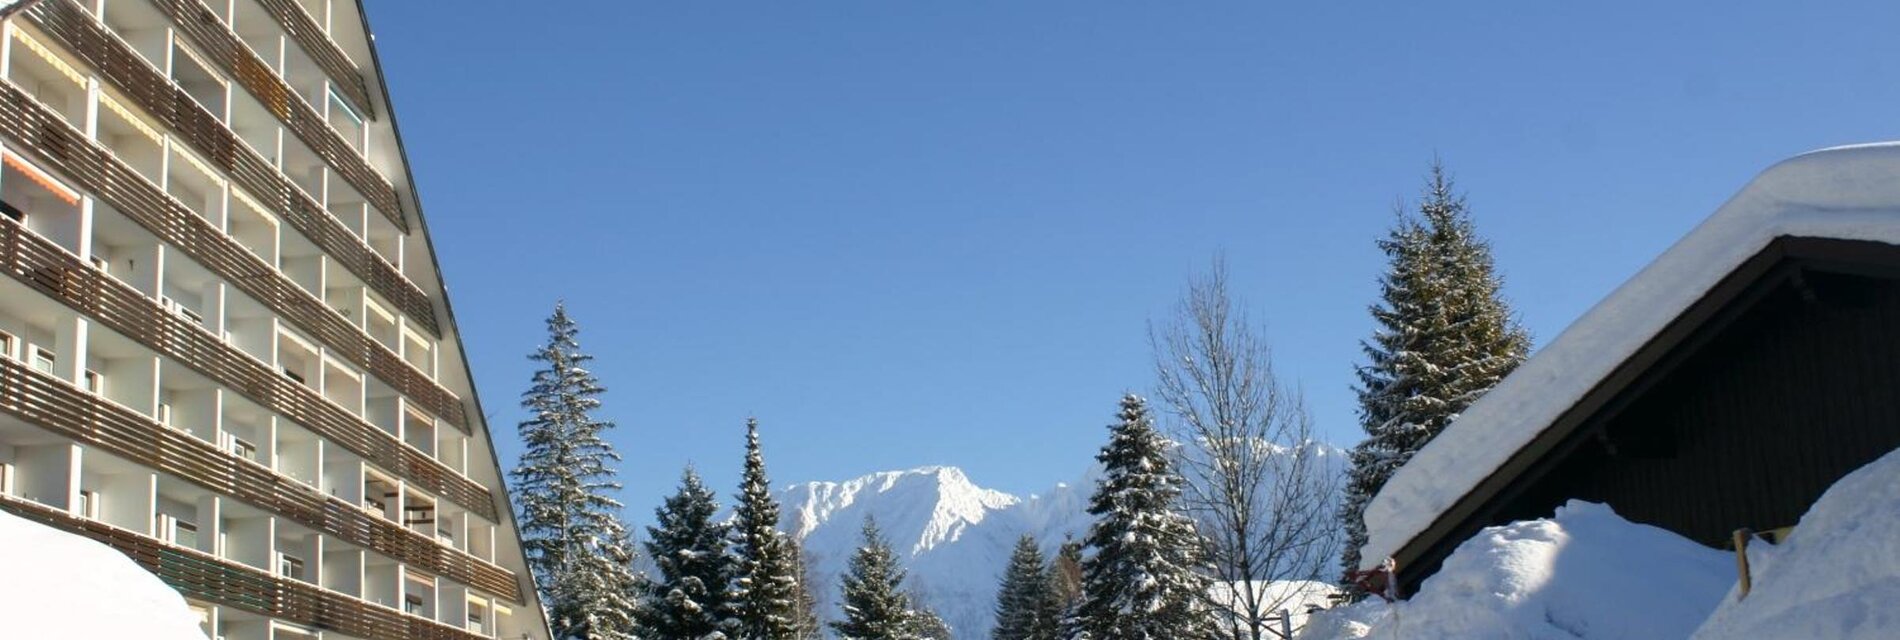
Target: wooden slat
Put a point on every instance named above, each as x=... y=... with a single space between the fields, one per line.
x=96 y=169
x=203 y=576
x=328 y=56
x=77 y=32
x=222 y=47
x=40 y=264
x=83 y=417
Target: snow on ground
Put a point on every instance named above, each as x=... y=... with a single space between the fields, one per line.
x=1582 y=573
x=1845 y=192
x=1837 y=576
x=59 y=585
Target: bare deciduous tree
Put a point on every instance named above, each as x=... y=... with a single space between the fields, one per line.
x=1259 y=486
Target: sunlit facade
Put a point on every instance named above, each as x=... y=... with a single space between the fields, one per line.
x=225 y=348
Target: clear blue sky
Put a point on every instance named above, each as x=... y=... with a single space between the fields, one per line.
x=907 y=233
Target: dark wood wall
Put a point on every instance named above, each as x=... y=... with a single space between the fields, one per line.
x=1749 y=424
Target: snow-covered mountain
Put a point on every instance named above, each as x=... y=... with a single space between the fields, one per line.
x=954 y=536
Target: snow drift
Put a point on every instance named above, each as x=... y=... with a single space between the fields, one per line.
x=1582 y=573
x=60 y=585
x=1837 y=576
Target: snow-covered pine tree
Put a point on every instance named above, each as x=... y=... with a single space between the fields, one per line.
x=1146 y=579
x=875 y=605
x=1444 y=337
x=563 y=486
x=765 y=586
x=925 y=624
x=598 y=593
x=691 y=599
x=1022 y=600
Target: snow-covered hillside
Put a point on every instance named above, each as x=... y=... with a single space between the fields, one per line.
x=955 y=537
x=59 y=585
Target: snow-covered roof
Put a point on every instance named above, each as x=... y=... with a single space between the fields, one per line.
x=1849 y=193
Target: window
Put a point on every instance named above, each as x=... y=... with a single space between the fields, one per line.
x=418 y=515
x=412 y=604
x=243 y=449
x=6 y=345
x=289 y=566
x=43 y=360
x=6 y=478
x=165 y=413
x=295 y=376
x=180 y=532
x=187 y=534
x=445 y=536
x=94 y=382
x=477 y=617
x=88 y=504
x=12 y=212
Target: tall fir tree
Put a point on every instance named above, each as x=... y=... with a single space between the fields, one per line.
x=691 y=598
x=875 y=605
x=1444 y=337
x=563 y=485
x=765 y=588
x=1023 y=601
x=1146 y=579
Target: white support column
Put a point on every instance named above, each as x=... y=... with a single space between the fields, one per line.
x=70 y=337
x=84 y=245
x=210 y=523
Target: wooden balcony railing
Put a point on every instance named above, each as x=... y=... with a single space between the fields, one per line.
x=96 y=169
x=203 y=576
x=222 y=47
x=77 y=32
x=323 y=50
x=44 y=266
x=66 y=410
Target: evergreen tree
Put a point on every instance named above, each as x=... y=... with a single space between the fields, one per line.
x=568 y=519
x=1444 y=337
x=875 y=605
x=926 y=624
x=765 y=587
x=1145 y=580
x=691 y=600
x=1022 y=603
x=597 y=593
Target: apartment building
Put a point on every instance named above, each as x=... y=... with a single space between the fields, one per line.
x=225 y=348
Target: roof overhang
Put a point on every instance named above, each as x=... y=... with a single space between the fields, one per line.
x=1837 y=208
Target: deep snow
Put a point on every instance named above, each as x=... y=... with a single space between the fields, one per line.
x=1582 y=573
x=1845 y=192
x=59 y=585
x=1837 y=576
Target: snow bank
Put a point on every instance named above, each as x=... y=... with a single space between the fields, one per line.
x=59 y=585
x=1846 y=192
x=1837 y=577
x=1582 y=573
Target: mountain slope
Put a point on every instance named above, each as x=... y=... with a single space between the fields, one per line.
x=953 y=535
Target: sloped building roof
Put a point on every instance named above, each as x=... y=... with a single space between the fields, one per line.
x=1845 y=193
